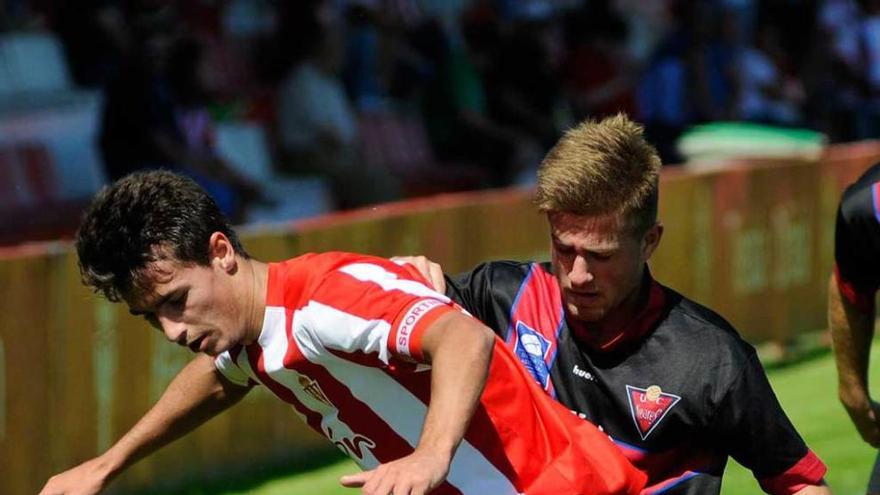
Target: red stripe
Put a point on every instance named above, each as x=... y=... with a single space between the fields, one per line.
x=414 y=343
x=809 y=471
x=359 y=417
x=540 y=446
x=361 y=298
x=860 y=299
x=255 y=358
x=481 y=432
x=538 y=307
x=539 y=304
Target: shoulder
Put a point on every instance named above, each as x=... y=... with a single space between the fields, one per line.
x=707 y=338
x=500 y=273
x=858 y=198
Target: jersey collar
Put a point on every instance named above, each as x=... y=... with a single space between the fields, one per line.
x=636 y=329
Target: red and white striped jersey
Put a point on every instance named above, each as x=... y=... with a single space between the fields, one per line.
x=341 y=343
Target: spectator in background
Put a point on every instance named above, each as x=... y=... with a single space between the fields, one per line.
x=711 y=61
x=597 y=72
x=834 y=85
x=155 y=116
x=364 y=70
x=868 y=116
x=662 y=91
x=96 y=38
x=317 y=127
x=524 y=78
x=455 y=103
x=768 y=93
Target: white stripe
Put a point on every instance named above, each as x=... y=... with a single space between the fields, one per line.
x=367 y=272
x=470 y=471
x=342 y=331
x=273 y=340
x=230 y=369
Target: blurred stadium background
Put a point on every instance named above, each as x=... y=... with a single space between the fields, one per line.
x=411 y=126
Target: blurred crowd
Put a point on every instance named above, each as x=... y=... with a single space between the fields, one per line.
x=389 y=98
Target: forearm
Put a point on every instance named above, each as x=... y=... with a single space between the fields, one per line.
x=195 y=395
x=460 y=354
x=851 y=332
x=814 y=490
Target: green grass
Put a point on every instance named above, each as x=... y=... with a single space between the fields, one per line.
x=807 y=391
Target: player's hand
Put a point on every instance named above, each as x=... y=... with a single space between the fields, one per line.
x=415 y=474
x=427 y=268
x=89 y=478
x=866 y=416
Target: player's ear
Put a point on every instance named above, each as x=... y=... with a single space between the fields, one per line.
x=651 y=240
x=221 y=252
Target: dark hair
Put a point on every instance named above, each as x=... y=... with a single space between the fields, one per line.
x=144 y=217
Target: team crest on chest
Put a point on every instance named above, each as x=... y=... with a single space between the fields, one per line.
x=312 y=388
x=532 y=349
x=649 y=406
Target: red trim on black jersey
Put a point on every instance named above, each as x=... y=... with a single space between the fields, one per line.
x=810 y=470
x=860 y=299
x=537 y=307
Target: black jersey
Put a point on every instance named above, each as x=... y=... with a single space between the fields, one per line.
x=678 y=399
x=857 y=240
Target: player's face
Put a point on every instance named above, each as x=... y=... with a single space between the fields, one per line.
x=193 y=305
x=599 y=263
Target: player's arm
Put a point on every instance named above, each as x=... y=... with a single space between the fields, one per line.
x=852 y=329
x=459 y=350
x=471 y=290
x=752 y=426
x=198 y=393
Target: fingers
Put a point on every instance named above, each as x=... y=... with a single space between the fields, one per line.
x=356 y=480
x=433 y=272
x=383 y=482
x=436 y=277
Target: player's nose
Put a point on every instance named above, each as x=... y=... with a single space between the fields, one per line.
x=174 y=331
x=580 y=275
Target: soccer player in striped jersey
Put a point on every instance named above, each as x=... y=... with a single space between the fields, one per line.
x=421 y=395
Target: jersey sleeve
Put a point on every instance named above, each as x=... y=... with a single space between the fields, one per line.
x=473 y=291
x=374 y=309
x=760 y=436
x=856 y=233
x=227 y=367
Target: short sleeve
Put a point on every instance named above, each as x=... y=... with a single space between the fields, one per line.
x=227 y=367
x=374 y=308
x=473 y=291
x=855 y=267
x=857 y=240
x=760 y=436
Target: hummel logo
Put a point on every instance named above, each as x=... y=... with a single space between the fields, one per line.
x=586 y=375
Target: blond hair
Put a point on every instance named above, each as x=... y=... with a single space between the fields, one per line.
x=600 y=168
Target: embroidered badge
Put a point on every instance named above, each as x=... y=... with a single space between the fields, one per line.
x=649 y=406
x=532 y=349
x=312 y=388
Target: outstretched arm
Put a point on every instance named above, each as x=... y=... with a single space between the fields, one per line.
x=459 y=350
x=197 y=393
x=852 y=330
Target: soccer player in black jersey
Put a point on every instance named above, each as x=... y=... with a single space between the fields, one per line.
x=670 y=381
x=851 y=310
